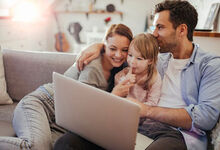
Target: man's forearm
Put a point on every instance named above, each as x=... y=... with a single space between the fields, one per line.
x=89 y=54
x=177 y=117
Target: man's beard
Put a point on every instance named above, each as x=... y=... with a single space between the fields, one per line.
x=162 y=50
x=168 y=48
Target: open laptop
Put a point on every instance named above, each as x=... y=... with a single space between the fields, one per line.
x=98 y=116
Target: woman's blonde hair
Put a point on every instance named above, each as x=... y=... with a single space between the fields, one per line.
x=148 y=46
x=119 y=29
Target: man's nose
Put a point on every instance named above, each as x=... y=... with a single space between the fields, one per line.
x=155 y=33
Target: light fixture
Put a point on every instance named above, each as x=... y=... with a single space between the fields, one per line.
x=27 y=11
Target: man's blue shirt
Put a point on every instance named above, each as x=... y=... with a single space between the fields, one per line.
x=200 y=84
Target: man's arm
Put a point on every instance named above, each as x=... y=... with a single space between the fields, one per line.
x=177 y=117
x=89 y=54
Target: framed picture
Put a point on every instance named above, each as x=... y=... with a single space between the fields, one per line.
x=213 y=13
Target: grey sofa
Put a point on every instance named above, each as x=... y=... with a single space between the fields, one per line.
x=26 y=70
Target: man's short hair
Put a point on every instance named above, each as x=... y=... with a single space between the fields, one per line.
x=181 y=12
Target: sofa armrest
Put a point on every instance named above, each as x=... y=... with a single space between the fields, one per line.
x=27 y=70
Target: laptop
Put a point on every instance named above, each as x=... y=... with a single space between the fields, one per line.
x=96 y=115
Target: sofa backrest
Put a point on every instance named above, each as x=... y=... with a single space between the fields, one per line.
x=27 y=70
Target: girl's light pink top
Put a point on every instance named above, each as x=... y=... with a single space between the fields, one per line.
x=150 y=97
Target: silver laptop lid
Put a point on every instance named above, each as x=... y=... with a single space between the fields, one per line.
x=100 y=117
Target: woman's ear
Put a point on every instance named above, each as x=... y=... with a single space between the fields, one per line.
x=103 y=48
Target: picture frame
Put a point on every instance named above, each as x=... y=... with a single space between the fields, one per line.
x=213 y=13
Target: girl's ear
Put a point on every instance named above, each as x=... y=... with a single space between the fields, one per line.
x=150 y=62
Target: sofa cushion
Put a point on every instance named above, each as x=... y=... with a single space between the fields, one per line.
x=27 y=70
x=6 y=129
x=6 y=112
x=216 y=136
x=4 y=97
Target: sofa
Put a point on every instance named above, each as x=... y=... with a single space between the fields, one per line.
x=24 y=72
x=27 y=70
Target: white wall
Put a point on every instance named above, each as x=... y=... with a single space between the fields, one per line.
x=26 y=36
x=210 y=44
x=40 y=35
x=134 y=16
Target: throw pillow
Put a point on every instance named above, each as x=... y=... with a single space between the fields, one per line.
x=4 y=97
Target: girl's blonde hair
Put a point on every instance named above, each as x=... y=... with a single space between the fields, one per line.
x=119 y=29
x=148 y=46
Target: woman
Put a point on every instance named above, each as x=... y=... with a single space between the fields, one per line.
x=34 y=117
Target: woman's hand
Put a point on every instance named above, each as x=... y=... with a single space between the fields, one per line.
x=122 y=88
x=89 y=54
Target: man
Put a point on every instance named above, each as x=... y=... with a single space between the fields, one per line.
x=189 y=103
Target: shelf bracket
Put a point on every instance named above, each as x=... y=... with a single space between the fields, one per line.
x=87 y=15
x=121 y=15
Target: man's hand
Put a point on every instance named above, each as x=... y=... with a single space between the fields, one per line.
x=89 y=54
x=122 y=88
x=144 y=107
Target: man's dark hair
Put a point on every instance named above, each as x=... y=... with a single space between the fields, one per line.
x=181 y=12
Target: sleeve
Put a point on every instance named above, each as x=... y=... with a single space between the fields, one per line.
x=90 y=76
x=72 y=72
x=205 y=114
x=153 y=96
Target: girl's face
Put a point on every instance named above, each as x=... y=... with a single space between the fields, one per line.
x=135 y=60
x=117 y=49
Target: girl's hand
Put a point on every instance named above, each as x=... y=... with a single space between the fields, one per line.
x=131 y=77
x=122 y=88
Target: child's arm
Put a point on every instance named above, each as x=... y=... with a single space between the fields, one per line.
x=123 y=81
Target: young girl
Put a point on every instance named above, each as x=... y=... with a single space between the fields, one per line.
x=142 y=72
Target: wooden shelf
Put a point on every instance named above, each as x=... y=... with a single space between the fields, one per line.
x=206 y=34
x=91 y=12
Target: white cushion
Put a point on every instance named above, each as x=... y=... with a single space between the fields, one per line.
x=4 y=97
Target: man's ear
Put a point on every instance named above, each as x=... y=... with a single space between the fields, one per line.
x=182 y=29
